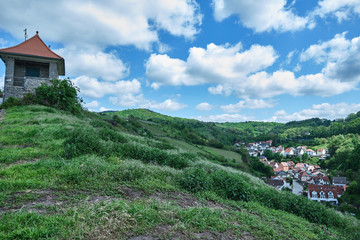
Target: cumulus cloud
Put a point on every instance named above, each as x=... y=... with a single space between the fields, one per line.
x=92 y=106
x=131 y=100
x=247 y=103
x=204 y=106
x=340 y=56
x=214 y=64
x=93 y=23
x=223 y=118
x=242 y=72
x=92 y=87
x=341 y=9
x=324 y=110
x=95 y=64
x=261 y=15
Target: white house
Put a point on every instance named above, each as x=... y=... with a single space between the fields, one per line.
x=323 y=193
x=310 y=152
x=320 y=152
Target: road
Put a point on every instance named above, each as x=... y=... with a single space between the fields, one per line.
x=297 y=188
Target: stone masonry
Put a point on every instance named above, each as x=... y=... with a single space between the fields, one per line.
x=30 y=83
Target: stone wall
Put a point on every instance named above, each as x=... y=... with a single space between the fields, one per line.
x=30 y=83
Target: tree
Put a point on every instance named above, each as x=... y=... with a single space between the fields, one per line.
x=268 y=154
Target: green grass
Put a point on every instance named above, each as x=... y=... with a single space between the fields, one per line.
x=116 y=185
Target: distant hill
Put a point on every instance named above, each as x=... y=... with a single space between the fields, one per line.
x=89 y=176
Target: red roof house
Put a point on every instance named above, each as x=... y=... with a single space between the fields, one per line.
x=28 y=65
x=324 y=193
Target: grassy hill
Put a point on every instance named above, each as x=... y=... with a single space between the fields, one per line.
x=80 y=177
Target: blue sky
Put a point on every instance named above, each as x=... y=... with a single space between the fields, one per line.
x=219 y=60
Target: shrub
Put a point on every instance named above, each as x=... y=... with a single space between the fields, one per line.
x=196 y=179
x=82 y=141
x=231 y=185
x=61 y=94
x=110 y=135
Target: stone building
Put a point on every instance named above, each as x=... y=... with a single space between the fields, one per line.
x=28 y=65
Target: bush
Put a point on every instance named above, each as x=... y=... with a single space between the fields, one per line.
x=196 y=179
x=82 y=141
x=61 y=94
x=231 y=185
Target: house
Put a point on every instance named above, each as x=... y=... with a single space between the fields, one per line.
x=310 y=152
x=290 y=163
x=300 y=150
x=282 y=174
x=320 y=180
x=263 y=159
x=289 y=152
x=311 y=168
x=339 y=181
x=28 y=65
x=303 y=176
x=276 y=183
x=302 y=166
x=274 y=164
x=324 y=193
x=295 y=172
x=285 y=166
x=320 y=152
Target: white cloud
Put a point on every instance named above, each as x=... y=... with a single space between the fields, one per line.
x=93 y=104
x=103 y=109
x=261 y=15
x=341 y=9
x=327 y=51
x=167 y=105
x=340 y=56
x=223 y=118
x=92 y=87
x=215 y=64
x=95 y=64
x=204 y=106
x=93 y=23
x=130 y=100
x=240 y=73
x=324 y=110
x=247 y=103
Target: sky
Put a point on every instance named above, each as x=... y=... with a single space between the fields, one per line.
x=219 y=60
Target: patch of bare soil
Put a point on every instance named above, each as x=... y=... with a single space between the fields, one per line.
x=42 y=199
x=19 y=163
x=184 y=200
x=131 y=193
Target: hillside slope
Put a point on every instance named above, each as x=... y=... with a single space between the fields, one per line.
x=66 y=177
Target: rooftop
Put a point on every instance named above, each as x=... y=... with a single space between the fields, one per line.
x=34 y=47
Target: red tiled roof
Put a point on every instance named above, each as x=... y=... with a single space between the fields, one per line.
x=34 y=47
x=336 y=190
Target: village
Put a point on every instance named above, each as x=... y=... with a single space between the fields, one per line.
x=300 y=178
